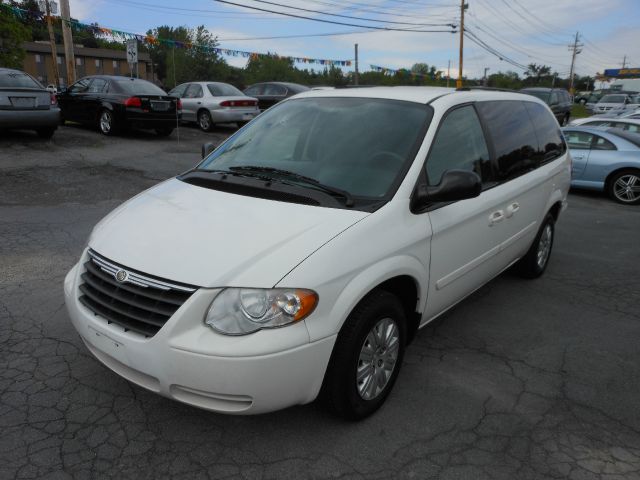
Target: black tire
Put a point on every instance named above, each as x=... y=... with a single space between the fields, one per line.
x=565 y=120
x=340 y=389
x=164 y=132
x=62 y=119
x=624 y=187
x=204 y=120
x=106 y=122
x=46 y=132
x=535 y=262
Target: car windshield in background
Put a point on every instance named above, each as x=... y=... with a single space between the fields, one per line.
x=544 y=96
x=613 y=99
x=139 y=87
x=224 y=90
x=360 y=145
x=17 y=80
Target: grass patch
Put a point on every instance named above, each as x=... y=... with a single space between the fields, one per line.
x=579 y=111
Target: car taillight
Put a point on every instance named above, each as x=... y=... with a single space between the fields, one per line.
x=133 y=102
x=54 y=100
x=179 y=104
x=226 y=103
x=239 y=103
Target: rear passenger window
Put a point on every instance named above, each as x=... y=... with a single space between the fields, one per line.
x=550 y=142
x=459 y=144
x=513 y=136
x=602 y=144
x=579 y=140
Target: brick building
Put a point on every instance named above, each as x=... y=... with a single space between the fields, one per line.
x=89 y=61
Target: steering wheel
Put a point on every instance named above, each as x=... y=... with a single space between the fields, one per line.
x=386 y=153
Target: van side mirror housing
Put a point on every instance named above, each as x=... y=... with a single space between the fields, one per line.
x=455 y=185
x=207 y=148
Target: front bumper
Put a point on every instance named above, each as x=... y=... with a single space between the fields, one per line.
x=232 y=115
x=189 y=362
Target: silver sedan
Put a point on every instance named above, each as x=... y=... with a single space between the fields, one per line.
x=208 y=103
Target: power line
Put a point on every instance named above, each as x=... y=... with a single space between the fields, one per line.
x=351 y=16
x=478 y=41
x=332 y=21
x=330 y=34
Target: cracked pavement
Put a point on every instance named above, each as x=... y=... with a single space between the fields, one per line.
x=523 y=380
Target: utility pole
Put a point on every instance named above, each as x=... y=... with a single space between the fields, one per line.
x=463 y=7
x=356 y=74
x=67 y=37
x=484 y=78
x=624 y=62
x=448 y=72
x=52 y=40
x=575 y=48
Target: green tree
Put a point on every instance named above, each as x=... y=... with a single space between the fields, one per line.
x=12 y=34
x=535 y=73
x=505 y=80
x=270 y=67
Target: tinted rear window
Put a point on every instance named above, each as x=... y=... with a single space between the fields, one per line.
x=17 y=80
x=631 y=137
x=224 y=90
x=138 y=87
x=550 y=142
x=513 y=135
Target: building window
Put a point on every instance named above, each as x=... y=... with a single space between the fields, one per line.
x=38 y=58
x=79 y=61
x=115 y=64
x=59 y=59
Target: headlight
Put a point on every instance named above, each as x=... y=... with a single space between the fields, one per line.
x=238 y=311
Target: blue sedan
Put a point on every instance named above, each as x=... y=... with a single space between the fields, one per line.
x=607 y=160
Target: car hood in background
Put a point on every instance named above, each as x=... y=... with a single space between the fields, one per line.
x=209 y=238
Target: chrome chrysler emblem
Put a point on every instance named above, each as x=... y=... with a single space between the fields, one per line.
x=121 y=275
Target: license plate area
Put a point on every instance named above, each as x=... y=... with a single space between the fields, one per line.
x=23 y=102
x=160 y=106
x=109 y=346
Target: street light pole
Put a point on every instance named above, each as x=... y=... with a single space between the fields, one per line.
x=462 y=9
x=52 y=41
x=67 y=37
x=484 y=78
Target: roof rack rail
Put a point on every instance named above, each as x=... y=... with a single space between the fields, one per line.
x=492 y=89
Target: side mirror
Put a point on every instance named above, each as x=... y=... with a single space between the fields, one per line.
x=62 y=90
x=455 y=185
x=207 y=148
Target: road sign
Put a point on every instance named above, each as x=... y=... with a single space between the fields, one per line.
x=132 y=51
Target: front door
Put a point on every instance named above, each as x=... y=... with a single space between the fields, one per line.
x=71 y=100
x=580 y=146
x=192 y=102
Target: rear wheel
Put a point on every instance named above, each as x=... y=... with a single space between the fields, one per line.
x=204 y=120
x=164 y=132
x=367 y=357
x=45 y=132
x=106 y=122
x=535 y=262
x=624 y=187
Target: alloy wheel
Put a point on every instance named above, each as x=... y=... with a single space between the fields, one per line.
x=204 y=121
x=544 y=246
x=378 y=358
x=105 y=121
x=627 y=188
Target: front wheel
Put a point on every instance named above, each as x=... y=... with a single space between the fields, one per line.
x=535 y=262
x=624 y=187
x=367 y=357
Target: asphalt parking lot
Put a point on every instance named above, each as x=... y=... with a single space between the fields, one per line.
x=523 y=380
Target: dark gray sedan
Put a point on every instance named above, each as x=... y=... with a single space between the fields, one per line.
x=26 y=104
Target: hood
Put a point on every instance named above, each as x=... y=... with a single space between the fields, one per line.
x=209 y=238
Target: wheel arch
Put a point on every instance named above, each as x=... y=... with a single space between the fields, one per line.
x=607 y=181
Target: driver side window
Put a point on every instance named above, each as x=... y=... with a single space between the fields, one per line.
x=80 y=86
x=460 y=145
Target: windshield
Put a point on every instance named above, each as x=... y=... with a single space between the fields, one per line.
x=17 y=80
x=139 y=87
x=542 y=95
x=613 y=99
x=360 y=145
x=224 y=90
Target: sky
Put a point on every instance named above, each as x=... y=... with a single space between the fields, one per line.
x=518 y=32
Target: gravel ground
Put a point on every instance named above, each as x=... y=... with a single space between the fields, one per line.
x=523 y=380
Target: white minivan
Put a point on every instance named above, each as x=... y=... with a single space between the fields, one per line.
x=302 y=255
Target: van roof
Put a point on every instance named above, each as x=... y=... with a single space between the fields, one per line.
x=419 y=94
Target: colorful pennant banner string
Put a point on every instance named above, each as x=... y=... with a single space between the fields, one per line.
x=152 y=40
x=404 y=71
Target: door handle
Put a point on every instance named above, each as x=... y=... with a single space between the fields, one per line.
x=513 y=208
x=577 y=157
x=199 y=103
x=496 y=217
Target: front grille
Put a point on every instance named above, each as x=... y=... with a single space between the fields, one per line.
x=137 y=302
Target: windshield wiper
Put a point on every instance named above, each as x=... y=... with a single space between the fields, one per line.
x=348 y=198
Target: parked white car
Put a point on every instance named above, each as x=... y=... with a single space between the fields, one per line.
x=208 y=103
x=306 y=251
x=625 y=123
x=615 y=102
